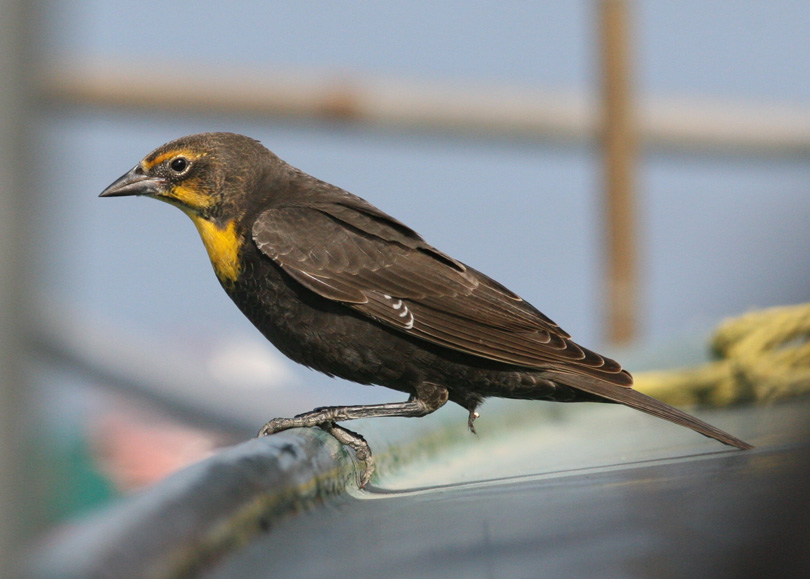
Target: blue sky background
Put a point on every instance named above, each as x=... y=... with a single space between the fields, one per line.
x=719 y=234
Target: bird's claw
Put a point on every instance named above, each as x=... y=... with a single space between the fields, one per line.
x=343 y=435
x=358 y=444
x=275 y=425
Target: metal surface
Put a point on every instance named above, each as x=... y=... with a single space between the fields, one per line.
x=619 y=496
x=186 y=522
x=545 y=491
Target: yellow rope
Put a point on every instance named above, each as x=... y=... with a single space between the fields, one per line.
x=763 y=356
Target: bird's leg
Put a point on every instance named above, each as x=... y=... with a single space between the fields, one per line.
x=327 y=414
x=428 y=398
x=421 y=404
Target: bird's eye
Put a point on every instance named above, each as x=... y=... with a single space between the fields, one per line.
x=179 y=165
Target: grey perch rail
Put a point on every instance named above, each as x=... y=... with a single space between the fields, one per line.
x=188 y=521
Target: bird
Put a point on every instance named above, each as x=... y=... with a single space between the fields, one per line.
x=340 y=286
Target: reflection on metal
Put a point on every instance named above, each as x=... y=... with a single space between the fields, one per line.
x=471 y=109
x=618 y=134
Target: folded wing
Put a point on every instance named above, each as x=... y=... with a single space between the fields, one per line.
x=353 y=253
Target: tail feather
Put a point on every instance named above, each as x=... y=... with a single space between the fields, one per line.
x=635 y=399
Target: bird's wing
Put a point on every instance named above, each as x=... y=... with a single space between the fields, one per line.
x=353 y=253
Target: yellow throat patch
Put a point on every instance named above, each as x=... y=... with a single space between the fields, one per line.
x=223 y=246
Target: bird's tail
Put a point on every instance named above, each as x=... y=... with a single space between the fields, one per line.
x=635 y=399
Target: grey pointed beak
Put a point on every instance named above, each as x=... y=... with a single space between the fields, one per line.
x=135 y=182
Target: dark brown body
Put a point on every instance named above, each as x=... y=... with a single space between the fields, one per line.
x=333 y=339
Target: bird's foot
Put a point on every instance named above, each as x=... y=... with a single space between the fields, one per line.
x=343 y=435
x=429 y=399
x=358 y=444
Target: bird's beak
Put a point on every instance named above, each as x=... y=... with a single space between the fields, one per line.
x=134 y=183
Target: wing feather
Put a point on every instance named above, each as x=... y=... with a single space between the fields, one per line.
x=351 y=252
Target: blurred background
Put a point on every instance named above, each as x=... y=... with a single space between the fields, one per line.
x=479 y=125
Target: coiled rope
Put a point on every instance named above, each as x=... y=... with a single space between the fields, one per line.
x=763 y=356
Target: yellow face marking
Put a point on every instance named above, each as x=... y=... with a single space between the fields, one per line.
x=223 y=246
x=188 y=193
x=148 y=164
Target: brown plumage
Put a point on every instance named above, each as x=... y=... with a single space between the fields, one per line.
x=340 y=286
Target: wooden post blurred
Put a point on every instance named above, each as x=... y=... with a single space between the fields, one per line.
x=618 y=133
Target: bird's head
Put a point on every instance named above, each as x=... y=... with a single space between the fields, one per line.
x=206 y=175
x=214 y=178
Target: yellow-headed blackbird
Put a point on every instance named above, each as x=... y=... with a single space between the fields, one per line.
x=341 y=287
